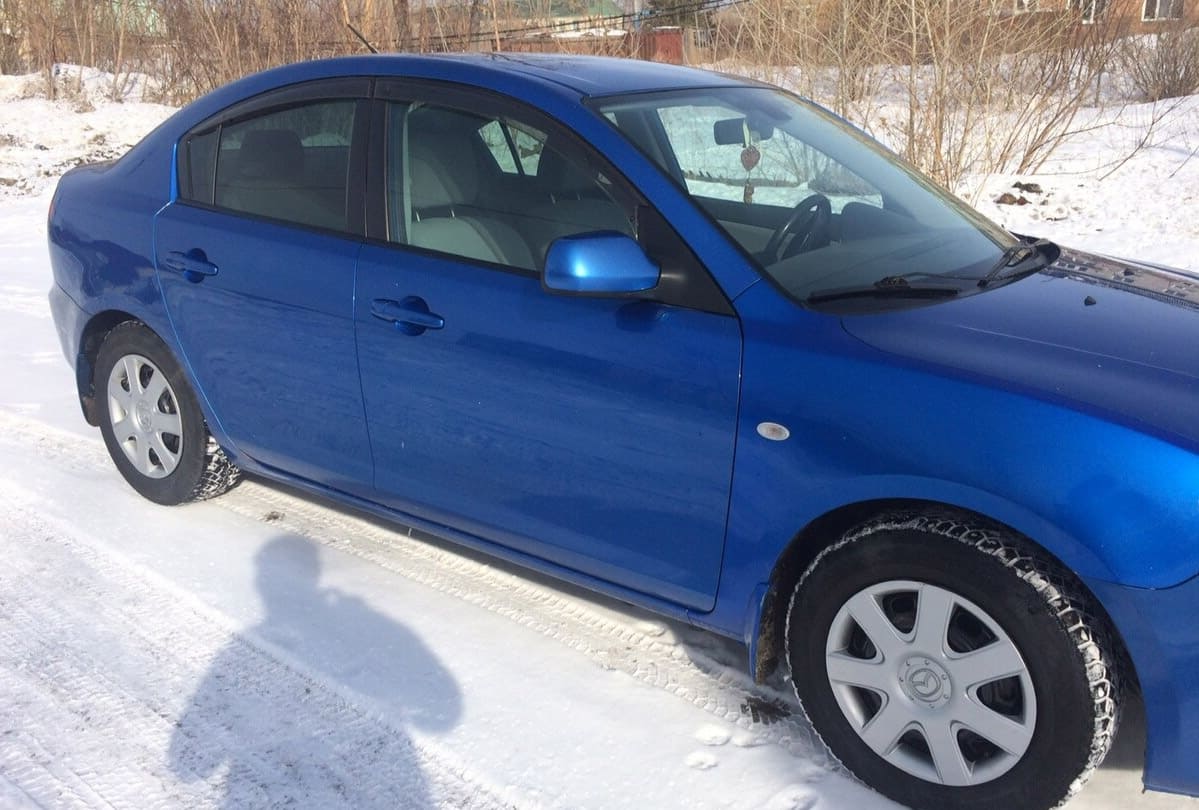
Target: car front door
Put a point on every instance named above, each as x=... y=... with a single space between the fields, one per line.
x=256 y=260
x=596 y=433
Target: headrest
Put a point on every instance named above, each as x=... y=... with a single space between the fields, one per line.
x=440 y=158
x=560 y=175
x=270 y=154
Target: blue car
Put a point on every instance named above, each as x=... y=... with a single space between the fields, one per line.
x=693 y=342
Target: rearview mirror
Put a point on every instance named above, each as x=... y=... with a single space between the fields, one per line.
x=735 y=131
x=603 y=263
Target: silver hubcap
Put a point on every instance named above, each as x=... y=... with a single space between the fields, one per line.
x=931 y=683
x=145 y=416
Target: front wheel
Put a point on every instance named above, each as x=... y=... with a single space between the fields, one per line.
x=152 y=424
x=951 y=665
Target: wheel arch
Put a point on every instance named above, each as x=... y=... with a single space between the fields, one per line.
x=766 y=647
x=90 y=341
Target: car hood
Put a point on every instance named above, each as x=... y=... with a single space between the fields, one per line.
x=1110 y=336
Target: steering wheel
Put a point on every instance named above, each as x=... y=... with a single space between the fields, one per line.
x=808 y=222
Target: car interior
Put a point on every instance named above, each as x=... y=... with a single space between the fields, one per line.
x=273 y=174
x=448 y=192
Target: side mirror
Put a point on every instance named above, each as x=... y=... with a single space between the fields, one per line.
x=604 y=263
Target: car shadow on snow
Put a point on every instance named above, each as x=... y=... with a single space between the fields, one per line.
x=309 y=708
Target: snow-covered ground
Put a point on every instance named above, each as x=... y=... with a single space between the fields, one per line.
x=1095 y=197
x=40 y=138
x=265 y=649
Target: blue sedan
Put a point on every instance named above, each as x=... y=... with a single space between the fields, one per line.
x=695 y=343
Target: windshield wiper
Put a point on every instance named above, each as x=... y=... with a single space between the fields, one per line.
x=887 y=287
x=1021 y=260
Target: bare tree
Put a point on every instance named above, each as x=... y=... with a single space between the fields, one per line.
x=961 y=87
x=1164 y=64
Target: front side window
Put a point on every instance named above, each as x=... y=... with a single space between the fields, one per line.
x=490 y=188
x=818 y=206
x=516 y=149
x=290 y=165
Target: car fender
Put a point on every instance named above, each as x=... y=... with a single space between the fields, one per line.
x=868 y=430
x=851 y=503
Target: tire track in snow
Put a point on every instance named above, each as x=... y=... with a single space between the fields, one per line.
x=104 y=679
x=645 y=655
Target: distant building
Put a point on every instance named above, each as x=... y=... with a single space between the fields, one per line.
x=1132 y=16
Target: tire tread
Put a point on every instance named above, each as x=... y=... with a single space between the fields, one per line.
x=220 y=474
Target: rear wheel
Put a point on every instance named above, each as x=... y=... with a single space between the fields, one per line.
x=951 y=665
x=152 y=424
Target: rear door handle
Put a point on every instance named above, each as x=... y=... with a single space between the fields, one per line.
x=411 y=315
x=194 y=265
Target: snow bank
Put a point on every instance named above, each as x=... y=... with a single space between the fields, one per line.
x=41 y=138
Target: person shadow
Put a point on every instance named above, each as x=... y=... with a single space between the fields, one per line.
x=310 y=708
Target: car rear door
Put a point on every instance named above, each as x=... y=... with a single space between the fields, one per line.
x=596 y=433
x=256 y=259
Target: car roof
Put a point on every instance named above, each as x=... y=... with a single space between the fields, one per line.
x=589 y=75
x=570 y=77
x=577 y=74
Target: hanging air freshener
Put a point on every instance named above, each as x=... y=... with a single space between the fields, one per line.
x=750 y=157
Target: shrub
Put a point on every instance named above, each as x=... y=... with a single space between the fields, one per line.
x=1162 y=65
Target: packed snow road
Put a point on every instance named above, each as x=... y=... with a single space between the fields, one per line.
x=265 y=649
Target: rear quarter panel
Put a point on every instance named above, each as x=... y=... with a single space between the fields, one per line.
x=101 y=249
x=101 y=241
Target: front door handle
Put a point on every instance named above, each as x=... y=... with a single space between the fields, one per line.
x=410 y=315
x=194 y=265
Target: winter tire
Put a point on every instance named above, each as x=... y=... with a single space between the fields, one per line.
x=152 y=423
x=950 y=665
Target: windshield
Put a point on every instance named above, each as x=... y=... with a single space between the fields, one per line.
x=821 y=208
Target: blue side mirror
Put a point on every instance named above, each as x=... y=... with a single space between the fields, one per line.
x=604 y=263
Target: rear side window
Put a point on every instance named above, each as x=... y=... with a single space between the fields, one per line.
x=198 y=165
x=290 y=164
